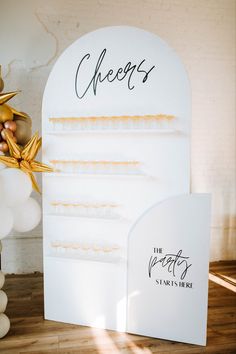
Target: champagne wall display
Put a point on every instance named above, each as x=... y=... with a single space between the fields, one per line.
x=116 y=126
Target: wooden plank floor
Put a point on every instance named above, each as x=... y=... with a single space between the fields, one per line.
x=30 y=333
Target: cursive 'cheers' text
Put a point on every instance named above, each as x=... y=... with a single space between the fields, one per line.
x=111 y=75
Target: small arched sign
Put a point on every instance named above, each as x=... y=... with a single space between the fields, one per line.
x=168 y=270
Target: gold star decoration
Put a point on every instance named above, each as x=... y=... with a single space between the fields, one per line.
x=23 y=158
x=4 y=97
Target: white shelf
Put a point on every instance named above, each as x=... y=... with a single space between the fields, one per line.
x=94 y=175
x=92 y=218
x=66 y=258
x=115 y=131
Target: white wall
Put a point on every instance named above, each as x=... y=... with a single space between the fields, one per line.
x=33 y=33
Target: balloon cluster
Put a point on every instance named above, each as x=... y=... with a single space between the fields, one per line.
x=12 y=122
x=18 y=210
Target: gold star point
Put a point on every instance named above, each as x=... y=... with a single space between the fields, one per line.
x=4 y=97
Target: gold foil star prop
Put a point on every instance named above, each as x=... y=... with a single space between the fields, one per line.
x=23 y=158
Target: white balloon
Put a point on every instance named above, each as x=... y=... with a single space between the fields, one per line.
x=26 y=216
x=2 y=166
x=4 y=325
x=6 y=221
x=2 y=279
x=3 y=301
x=16 y=186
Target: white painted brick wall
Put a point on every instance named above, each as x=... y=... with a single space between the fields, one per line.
x=34 y=33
